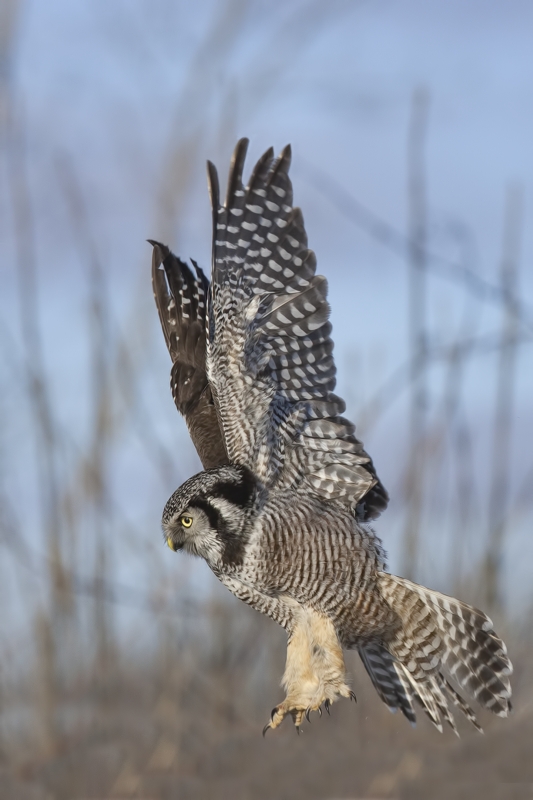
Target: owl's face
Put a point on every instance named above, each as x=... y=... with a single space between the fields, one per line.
x=195 y=531
x=210 y=515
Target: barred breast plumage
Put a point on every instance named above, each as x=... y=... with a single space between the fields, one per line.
x=281 y=512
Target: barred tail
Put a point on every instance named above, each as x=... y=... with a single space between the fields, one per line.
x=442 y=641
x=388 y=682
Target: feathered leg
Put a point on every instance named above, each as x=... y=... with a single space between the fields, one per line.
x=314 y=672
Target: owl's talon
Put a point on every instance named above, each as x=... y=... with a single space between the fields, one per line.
x=319 y=709
x=297 y=716
x=352 y=696
x=327 y=705
x=307 y=713
x=276 y=718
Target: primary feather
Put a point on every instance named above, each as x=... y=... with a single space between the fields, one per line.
x=181 y=299
x=270 y=353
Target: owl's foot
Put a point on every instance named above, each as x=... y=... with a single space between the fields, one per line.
x=314 y=674
x=297 y=712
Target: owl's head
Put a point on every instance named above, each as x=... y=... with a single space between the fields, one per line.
x=210 y=514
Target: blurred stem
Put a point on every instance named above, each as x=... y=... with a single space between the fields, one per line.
x=505 y=388
x=103 y=346
x=45 y=681
x=47 y=440
x=417 y=192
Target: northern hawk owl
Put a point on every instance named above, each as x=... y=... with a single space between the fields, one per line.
x=281 y=513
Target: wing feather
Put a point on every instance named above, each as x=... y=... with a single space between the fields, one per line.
x=181 y=299
x=270 y=354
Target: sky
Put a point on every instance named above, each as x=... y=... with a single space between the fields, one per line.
x=135 y=96
x=114 y=86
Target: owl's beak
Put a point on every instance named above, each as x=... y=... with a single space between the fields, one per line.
x=173 y=546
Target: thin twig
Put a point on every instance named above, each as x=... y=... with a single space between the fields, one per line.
x=501 y=457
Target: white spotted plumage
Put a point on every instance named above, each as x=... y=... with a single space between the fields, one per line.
x=269 y=354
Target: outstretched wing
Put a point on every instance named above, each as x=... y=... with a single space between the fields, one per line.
x=269 y=353
x=181 y=299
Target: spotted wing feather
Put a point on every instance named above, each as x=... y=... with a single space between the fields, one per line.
x=270 y=353
x=181 y=299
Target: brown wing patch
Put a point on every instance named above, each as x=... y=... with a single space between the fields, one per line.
x=181 y=300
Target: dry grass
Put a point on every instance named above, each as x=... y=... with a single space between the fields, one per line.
x=184 y=720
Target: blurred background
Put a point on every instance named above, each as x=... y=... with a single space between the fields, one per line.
x=127 y=671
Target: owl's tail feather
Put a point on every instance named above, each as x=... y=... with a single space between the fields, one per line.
x=441 y=641
x=388 y=681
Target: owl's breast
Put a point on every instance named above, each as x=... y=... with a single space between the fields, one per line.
x=309 y=550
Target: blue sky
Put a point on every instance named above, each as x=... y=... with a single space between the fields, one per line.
x=117 y=88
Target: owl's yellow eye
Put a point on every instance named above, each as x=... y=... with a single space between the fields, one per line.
x=186 y=521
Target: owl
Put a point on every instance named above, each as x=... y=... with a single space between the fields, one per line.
x=282 y=511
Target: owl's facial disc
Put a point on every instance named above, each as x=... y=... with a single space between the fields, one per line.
x=193 y=530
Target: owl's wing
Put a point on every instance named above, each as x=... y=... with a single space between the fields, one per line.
x=269 y=352
x=181 y=299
